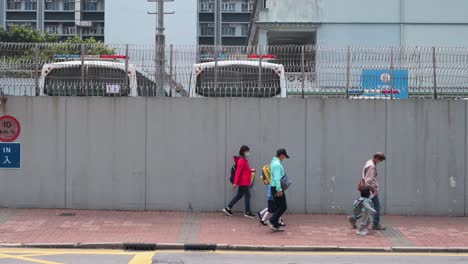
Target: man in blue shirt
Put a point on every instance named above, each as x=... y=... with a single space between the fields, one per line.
x=277 y=173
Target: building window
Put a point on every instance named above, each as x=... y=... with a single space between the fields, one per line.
x=52 y=5
x=90 y=5
x=70 y=31
x=207 y=6
x=206 y=30
x=30 y=5
x=244 y=29
x=229 y=29
x=90 y=31
x=52 y=29
x=247 y=5
x=69 y=5
x=229 y=5
x=264 y=3
x=13 y=5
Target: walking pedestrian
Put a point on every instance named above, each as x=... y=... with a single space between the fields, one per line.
x=267 y=213
x=363 y=208
x=279 y=195
x=369 y=179
x=242 y=181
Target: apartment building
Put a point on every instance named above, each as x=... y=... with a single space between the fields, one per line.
x=64 y=18
x=224 y=22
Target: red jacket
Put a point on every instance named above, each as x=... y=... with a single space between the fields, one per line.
x=242 y=176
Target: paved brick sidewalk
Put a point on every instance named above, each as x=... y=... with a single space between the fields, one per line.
x=47 y=226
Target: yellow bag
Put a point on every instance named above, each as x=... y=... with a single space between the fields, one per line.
x=266 y=174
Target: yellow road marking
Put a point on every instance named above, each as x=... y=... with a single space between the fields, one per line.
x=27 y=254
x=143 y=258
x=19 y=257
x=31 y=251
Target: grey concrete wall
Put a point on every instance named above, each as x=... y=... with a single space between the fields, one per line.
x=426 y=165
x=341 y=135
x=105 y=156
x=176 y=153
x=185 y=154
x=265 y=126
x=41 y=180
x=466 y=159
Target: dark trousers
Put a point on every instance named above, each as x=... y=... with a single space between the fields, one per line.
x=242 y=191
x=377 y=207
x=281 y=207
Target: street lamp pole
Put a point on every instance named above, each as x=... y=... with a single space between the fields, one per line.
x=160 y=42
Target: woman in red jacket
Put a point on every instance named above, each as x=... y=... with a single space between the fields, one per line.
x=242 y=181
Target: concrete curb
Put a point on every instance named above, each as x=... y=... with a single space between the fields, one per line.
x=225 y=247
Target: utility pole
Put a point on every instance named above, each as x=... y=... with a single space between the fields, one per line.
x=160 y=42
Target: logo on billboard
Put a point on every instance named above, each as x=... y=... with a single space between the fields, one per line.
x=385 y=78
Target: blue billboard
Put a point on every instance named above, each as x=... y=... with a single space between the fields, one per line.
x=378 y=83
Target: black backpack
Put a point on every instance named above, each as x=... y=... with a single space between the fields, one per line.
x=233 y=173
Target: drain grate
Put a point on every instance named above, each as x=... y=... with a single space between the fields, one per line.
x=67 y=214
x=199 y=247
x=140 y=247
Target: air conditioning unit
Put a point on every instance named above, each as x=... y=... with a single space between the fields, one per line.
x=33 y=1
x=17 y=1
x=232 y=25
x=71 y=1
x=211 y=25
x=93 y=1
x=48 y=1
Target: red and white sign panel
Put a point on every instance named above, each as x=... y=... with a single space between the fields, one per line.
x=10 y=129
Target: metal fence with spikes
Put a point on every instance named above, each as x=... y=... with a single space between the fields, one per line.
x=60 y=69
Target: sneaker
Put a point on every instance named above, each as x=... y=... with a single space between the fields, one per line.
x=352 y=221
x=361 y=233
x=282 y=223
x=273 y=228
x=249 y=215
x=227 y=211
x=263 y=223
x=379 y=228
x=269 y=224
x=259 y=216
x=366 y=231
x=277 y=229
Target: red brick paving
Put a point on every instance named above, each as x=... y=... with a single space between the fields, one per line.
x=46 y=226
x=302 y=230
x=433 y=231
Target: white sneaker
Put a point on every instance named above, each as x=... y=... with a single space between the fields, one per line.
x=361 y=233
x=366 y=231
x=269 y=224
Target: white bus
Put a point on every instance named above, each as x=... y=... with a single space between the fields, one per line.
x=238 y=78
x=101 y=78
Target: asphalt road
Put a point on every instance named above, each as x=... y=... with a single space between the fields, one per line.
x=306 y=258
x=66 y=256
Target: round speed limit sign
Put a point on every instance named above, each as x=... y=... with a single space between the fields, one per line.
x=10 y=129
